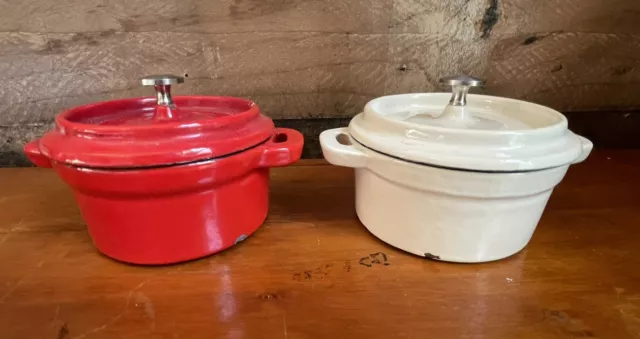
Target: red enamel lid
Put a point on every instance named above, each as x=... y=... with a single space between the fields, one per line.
x=144 y=132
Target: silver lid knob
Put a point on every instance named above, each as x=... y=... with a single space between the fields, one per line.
x=161 y=79
x=460 y=87
x=162 y=84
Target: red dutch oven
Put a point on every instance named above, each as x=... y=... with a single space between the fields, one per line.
x=163 y=180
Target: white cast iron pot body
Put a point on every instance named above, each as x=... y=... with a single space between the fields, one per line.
x=444 y=214
x=414 y=192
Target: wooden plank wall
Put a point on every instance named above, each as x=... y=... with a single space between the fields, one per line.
x=312 y=64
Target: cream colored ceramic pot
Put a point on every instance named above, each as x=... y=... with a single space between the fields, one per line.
x=462 y=178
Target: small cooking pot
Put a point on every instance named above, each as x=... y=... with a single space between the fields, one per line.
x=454 y=177
x=163 y=180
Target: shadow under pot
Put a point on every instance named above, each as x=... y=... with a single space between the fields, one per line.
x=164 y=180
x=454 y=177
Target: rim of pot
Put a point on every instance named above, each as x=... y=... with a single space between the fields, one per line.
x=452 y=168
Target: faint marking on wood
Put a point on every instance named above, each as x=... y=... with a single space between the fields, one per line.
x=63 y=331
x=15 y=287
x=318 y=273
x=568 y=325
x=490 y=19
x=378 y=258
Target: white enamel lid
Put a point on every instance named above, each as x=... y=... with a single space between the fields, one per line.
x=467 y=131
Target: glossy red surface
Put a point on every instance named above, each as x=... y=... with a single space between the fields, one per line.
x=32 y=150
x=132 y=133
x=160 y=184
x=176 y=213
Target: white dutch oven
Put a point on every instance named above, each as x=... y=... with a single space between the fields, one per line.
x=462 y=178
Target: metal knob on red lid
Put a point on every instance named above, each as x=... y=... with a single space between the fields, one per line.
x=162 y=84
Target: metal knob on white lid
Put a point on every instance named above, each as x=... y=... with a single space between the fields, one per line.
x=456 y=112
x=460 y=87
x=162 y=84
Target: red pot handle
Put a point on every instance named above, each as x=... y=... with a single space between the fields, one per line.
x=284 y=148
x=32 y=150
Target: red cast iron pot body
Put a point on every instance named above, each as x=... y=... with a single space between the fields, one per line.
x=173 y=212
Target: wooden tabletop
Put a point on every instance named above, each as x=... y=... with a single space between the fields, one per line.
x=313 y=271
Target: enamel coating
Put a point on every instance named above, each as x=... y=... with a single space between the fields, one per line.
x=136 y=132
x=443 y=214
x=175 y=213
x=167 y=179
x=404 y=126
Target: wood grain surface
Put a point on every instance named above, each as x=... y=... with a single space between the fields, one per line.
x=313 y=271
x=301 y=59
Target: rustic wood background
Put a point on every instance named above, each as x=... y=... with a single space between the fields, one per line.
x=314 y=64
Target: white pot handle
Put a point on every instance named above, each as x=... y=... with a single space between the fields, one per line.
x=341 y=154
x=587 y=146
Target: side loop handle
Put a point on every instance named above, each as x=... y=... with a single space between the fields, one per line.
x=32 y=150
x=587 y=146
x=337 y=148
x=284 y=148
